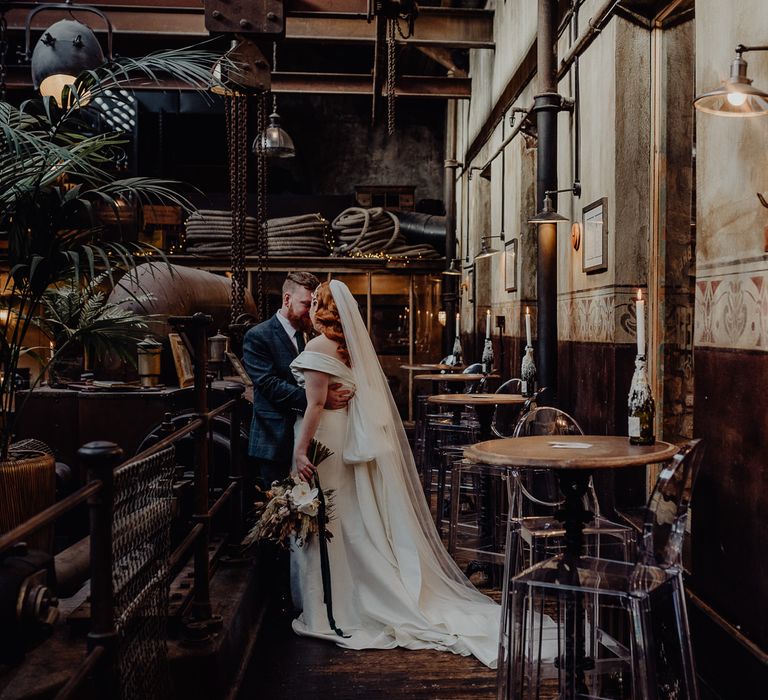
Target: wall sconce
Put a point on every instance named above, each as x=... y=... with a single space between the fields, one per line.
x=486 y=250
x=454 y=270
x=548 y=215
x=441 y=317
x=736 y=97
x=65 y=50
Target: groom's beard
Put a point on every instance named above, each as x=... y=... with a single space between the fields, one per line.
x=300 y=323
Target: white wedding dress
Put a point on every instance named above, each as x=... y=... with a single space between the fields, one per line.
x=393 y=583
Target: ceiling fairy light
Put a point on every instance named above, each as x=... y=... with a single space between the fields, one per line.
x=274 y=140
x=66 y=49
x=736 y=96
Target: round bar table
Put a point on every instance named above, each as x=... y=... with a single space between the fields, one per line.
x=484 y=405
x=427 y=367
x=454 y=381
x=573 y=459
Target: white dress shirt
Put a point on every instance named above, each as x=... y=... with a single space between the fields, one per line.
x=289 y=329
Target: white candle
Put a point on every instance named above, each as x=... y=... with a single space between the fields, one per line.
x=458 y=322
x=488 y=323
x=527 y=326
x=640 y=315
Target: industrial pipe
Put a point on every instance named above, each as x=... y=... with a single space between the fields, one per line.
x=450 y=286
x=547 y=104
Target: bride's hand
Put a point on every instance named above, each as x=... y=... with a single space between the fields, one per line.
x=304 y=467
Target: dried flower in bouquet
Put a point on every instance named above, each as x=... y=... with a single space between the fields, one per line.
x=292 y=508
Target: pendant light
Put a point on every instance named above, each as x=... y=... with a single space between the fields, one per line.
x=736 y=96
x=274 y=140
x=486 y=250
x=66 y=49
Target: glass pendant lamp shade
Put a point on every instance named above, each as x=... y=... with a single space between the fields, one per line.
x=736 y=97
x=274 y=140
x=66 y=49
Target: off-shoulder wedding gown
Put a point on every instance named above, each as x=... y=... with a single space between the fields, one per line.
x=393 y=582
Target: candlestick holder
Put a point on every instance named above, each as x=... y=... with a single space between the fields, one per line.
x=486 y=359
x=528 y=373
x=455 y=359
x=642 y=408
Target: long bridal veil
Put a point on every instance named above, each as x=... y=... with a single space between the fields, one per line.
x=375 y=434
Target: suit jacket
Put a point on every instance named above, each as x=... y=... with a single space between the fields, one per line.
x=277 y=399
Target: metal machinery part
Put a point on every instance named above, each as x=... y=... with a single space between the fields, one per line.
x=27 y=605
x=174 y=290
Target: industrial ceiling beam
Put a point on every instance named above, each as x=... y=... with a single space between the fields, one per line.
x=313 y=83
x=435 y=26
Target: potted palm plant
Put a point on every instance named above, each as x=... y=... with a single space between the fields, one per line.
x=84 y=327
x=55 y=172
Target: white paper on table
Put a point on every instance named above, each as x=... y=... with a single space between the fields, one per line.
x=571 y=445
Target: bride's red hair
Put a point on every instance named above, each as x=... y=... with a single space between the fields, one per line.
x=327 y=317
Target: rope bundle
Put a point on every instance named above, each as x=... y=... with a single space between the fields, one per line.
x=209 y=233
x=371 y=232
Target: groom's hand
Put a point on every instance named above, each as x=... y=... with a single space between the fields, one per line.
x=337 y=397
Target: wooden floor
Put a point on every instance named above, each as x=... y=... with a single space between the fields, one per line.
x=285 y=665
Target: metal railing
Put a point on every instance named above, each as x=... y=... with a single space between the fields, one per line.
x=103 y=460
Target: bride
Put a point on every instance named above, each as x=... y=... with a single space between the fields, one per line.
x=393 y=583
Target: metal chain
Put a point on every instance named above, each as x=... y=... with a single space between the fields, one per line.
x=390 y=87
x=400 y=31
x=3 y=53
x=261 y=204
x=237 y=136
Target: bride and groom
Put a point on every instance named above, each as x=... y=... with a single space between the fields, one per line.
x=394 y=584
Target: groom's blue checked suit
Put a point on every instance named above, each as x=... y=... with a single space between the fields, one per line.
x=277 y=399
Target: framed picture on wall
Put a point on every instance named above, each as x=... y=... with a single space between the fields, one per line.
x=182 y=360
x=510 y=266
x=469 y=280
x=594 y=243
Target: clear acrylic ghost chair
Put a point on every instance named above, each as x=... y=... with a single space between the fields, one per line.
x=505 y=416
x=541 y=536
x=445 y=435
x=588 y=627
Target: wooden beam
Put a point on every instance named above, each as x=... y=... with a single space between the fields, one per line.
x=19 y=78
x=435 y=26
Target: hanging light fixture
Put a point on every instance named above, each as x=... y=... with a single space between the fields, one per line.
x=66 y=49
x=486 y=250
x=274 y=140
x=548 y=215
x=454 y=270
x=736 y=97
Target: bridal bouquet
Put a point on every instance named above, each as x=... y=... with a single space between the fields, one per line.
x=294 y=508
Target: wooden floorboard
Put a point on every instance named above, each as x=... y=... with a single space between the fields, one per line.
x=285 y=665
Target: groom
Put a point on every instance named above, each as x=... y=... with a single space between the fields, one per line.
x=268 y=350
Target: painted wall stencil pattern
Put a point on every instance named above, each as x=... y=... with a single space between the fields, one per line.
x=732 y=311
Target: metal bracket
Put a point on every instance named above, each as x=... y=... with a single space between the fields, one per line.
x=263 y=17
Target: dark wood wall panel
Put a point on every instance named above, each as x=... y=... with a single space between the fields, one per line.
x=593 y=384
x=730 y=503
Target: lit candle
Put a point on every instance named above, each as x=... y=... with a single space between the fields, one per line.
x=527 y=326
x=458 y=322
x=640 y=315
x=488 y=323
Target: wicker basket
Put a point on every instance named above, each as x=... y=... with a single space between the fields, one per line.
x=28 y=486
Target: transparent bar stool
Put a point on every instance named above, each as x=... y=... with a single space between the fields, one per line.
x=588 y=627
x=535 y=537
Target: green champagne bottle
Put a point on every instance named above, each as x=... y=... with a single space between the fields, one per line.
x=641 y=407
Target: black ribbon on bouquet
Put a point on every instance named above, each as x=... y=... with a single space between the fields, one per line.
x=325 y=565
